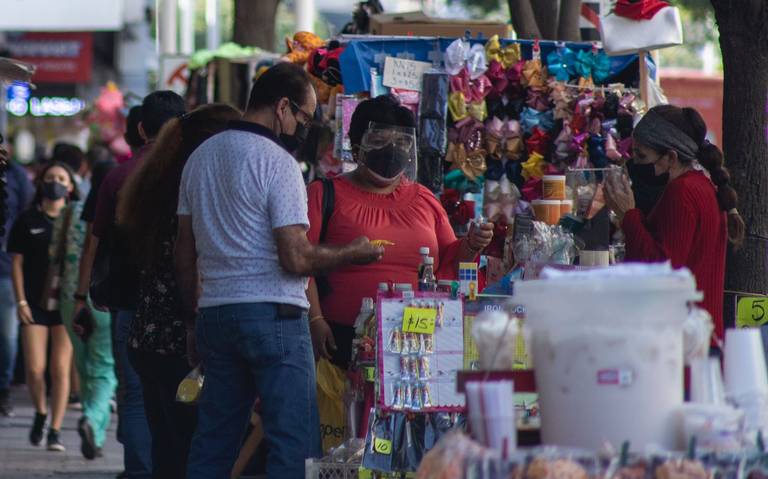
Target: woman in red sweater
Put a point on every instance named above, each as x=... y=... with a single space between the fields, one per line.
x=696 y=215
x=378 y=201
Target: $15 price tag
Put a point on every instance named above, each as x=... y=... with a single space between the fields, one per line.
x=419 y=320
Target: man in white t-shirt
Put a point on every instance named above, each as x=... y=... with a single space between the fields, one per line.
x=242 y=232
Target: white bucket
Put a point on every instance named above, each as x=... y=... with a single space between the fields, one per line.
x=608 y=355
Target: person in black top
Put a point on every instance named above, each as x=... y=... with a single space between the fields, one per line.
x=157 y=343
x=28 y=245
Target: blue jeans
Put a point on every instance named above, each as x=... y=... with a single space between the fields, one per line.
x=248 y=350
x=9 y=333
x=133 y=430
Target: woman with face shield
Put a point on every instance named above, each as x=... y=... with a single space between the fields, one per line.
x=380 y=201
x=696 y=215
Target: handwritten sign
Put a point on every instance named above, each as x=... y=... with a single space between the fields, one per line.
x=405 y=74
x=751 y=312
x=419 y=320
x=370 y=374
x=382 y=446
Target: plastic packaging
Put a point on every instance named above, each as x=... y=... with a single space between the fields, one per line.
x=495 y=334
x=190 y=387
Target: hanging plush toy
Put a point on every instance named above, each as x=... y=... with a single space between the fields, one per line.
x=107 y=120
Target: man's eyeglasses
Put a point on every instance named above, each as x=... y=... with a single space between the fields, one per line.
x=297 y=109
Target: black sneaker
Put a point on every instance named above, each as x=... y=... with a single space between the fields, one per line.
x=54 y=441
x=6 y=409
x=36 y=434
x=74 y=402
x=88 y=444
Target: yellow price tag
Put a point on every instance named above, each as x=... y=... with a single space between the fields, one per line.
x=382 y=446
x=364 y=473
x=419 y=320
x=751 y=312
x=370 y=374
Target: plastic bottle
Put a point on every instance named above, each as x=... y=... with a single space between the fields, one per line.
x=424 y=252
x=427 y=280
x=366 y=311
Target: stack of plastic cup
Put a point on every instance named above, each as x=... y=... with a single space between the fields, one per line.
x=746 y=378
x=707 y=381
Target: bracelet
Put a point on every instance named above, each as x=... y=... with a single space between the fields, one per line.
x=80 y=297
x=22 y=303
x=316 y=318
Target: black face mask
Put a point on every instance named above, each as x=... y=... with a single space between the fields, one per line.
x=646 y=186
x=293 y=142
x=387 y=162
x=53 y=190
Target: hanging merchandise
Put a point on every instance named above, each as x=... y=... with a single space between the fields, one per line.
x=640 y=26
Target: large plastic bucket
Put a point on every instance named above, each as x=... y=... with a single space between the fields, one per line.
x=608 y=357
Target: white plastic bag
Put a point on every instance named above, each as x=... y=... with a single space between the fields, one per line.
x=622 y=36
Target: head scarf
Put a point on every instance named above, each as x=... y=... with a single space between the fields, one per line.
x=655 y=132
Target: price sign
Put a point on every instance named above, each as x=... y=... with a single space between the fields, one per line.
x=382 y=446
x=405 y=74
x=751 y=312
x=370 y=374
x=419 y=320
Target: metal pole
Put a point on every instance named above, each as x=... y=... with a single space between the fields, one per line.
x=167 y=32
x=187 y=8
x=213 y=37
x=305 y=15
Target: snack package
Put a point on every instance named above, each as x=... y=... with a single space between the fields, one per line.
x=190 y=387
x=562 y=463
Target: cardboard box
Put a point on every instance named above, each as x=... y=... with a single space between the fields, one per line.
x=420 y=25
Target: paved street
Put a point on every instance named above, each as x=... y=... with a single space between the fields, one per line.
x=20 y=460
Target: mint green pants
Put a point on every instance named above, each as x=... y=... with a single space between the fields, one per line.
x=96 y=367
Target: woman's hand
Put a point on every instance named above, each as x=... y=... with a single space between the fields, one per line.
x=25 y=314
x=322 y=338
x=480 y=236
x=618 y=195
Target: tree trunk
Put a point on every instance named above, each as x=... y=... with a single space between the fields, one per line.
x=570 y=14
x=743 y=40
x=523 y=19
x=545 y=12
x=255 y=23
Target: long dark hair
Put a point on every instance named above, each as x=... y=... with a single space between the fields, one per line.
x=148 y=201
x=692 y=124
x=74 y=195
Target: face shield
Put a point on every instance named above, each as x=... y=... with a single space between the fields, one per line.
x=389 y=151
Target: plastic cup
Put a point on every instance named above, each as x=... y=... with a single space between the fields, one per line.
x=553 y=187
x=547 y=211
x=566 y=206
x=707 y=382
x=745 y=370
x=594 y=258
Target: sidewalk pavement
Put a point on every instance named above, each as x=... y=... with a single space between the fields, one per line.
x=20 y=460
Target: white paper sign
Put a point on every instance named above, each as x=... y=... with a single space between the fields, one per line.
x=404 y=74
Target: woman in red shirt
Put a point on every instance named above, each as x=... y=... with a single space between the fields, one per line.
x=377 y=201
x=696 y=215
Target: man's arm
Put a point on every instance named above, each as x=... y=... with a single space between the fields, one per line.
x=185 y=258
x=300 y=257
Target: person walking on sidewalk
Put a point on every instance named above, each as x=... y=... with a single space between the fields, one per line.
x=120 y=285
x=157 y=341
x=90 y=332
x=19 y=195
x=37 y=300
x=243 y=220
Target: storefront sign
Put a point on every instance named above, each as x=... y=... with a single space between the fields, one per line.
x=59 y=57
x=21 y=103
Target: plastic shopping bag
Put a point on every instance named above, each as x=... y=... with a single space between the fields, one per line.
x=331 y=384
x=190 y=387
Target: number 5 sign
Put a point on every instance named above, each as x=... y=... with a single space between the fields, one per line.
x=751 y=312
